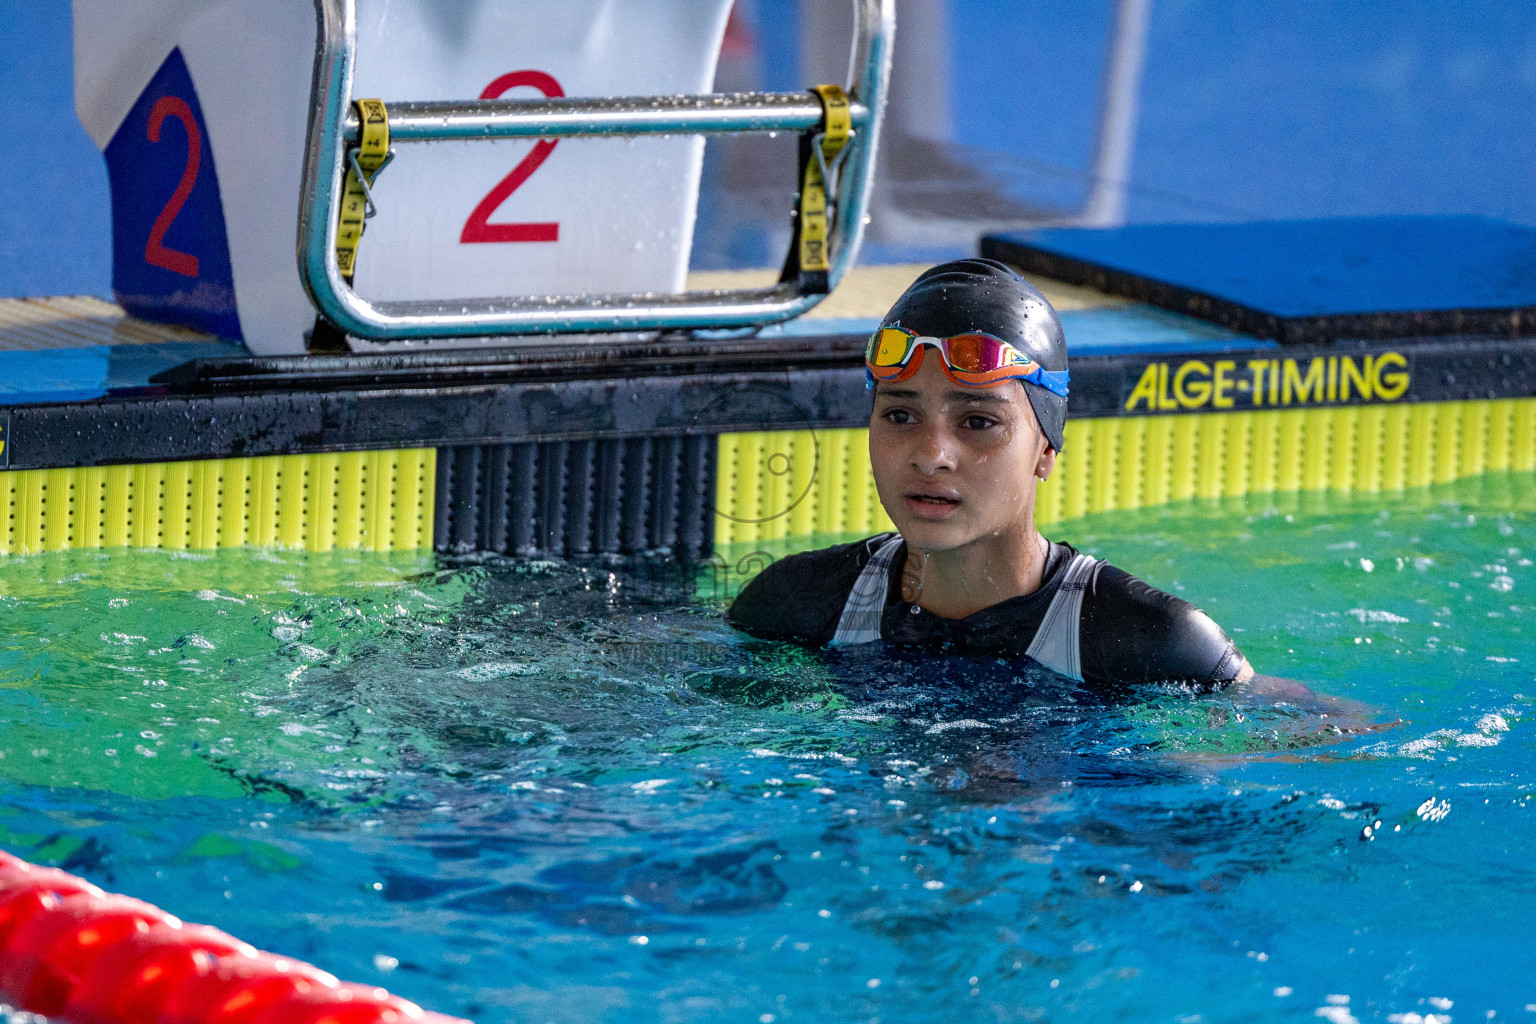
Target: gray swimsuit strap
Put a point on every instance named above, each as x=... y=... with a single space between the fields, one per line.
x=1055 y=645
x=860 y=621
x=1056 y=641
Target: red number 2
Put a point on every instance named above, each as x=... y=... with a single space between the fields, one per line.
x=479 y=228
x=155 y=252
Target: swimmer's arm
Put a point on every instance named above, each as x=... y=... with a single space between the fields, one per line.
x=1347 y=717
x=1248 y=683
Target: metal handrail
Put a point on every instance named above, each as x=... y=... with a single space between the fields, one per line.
x=333 y=129
x=563 y=117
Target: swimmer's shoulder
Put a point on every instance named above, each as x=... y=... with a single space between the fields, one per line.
x=1132 y=632
x=801 y=596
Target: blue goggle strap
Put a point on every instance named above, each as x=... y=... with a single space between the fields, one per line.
x=1054 y=381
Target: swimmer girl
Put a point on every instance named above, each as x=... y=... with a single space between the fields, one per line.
x=969 y=372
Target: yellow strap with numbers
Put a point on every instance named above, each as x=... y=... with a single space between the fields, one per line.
x=836 y=125
x=372 y=151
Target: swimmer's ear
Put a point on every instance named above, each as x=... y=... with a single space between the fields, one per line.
x=1046 y=463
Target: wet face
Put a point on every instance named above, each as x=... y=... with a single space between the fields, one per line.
x=953 y=464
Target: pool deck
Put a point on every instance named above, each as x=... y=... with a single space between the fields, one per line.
x=538 y=446
x=77 y=348
x=84 y=384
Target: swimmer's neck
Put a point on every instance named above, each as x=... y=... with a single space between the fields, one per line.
x=962 y=581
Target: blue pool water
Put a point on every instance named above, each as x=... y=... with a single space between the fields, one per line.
x=537 y=792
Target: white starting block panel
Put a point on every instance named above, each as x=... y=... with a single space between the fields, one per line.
x=201 y=109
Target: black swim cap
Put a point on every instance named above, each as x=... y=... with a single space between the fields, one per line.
x=985 y=295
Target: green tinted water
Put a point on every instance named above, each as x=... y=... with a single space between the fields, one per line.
x=536 y=791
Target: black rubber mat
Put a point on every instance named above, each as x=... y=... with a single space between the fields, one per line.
x=566 y=499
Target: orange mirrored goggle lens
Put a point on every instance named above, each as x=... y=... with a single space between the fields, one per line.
x=889 y=346
x=976 y=353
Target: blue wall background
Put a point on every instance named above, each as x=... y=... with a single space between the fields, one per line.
x=1280 y=109
x=55 y=219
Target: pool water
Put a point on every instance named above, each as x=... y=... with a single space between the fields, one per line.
x=538 y=792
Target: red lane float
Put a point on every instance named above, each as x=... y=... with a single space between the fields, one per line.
x=72 y=952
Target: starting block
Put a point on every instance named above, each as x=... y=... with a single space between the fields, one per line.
x=231 y=130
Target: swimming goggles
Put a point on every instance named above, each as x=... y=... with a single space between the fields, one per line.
x=975 y=359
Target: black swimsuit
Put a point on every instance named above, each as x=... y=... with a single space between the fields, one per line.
x=1128 y=632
